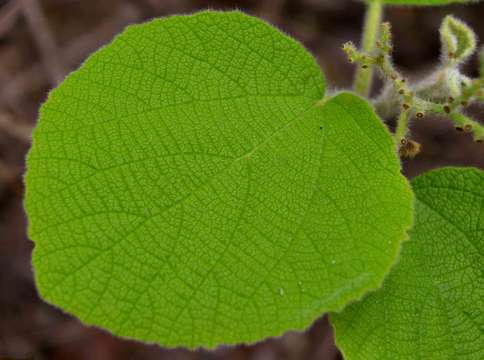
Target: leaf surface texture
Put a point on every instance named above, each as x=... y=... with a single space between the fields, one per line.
x=431 y=305
x=184 y=186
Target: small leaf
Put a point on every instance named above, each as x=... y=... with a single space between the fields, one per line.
x=458 y=40
x=431 y=306
x=187 y=186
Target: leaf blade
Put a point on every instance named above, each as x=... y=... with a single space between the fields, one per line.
x=175 y=183
x=431 y=303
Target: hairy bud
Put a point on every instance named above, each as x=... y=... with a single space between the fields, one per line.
x=409 y=148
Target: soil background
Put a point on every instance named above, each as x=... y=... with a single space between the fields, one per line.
x=43 y=40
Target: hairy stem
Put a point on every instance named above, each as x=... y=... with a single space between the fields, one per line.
x=402 y=126
x=373 y=18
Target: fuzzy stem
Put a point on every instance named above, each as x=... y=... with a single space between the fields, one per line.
x=466 y=124
x=400 y=97
x=373 y=18
x=402 y=126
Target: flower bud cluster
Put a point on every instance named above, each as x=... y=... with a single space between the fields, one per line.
x=445 y=92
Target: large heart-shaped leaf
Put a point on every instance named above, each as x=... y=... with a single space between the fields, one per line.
x=431 y=306
x=189 y=186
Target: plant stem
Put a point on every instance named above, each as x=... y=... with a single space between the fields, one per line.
x=372 y=24
x=402 y=126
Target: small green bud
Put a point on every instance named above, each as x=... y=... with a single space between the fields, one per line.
x=458 y=40
x=351 y=52
x=386 y=38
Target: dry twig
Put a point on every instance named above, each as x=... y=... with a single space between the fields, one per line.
x=73 y=54
x=8 y=15
x=43 y=37
x=7 y=174
x=40 y=30
x=18 y=131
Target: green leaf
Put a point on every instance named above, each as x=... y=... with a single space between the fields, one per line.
x=431 y=305
x=187 y=186
x=426 y=2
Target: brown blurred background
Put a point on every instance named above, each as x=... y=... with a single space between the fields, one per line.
x=42 y=40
